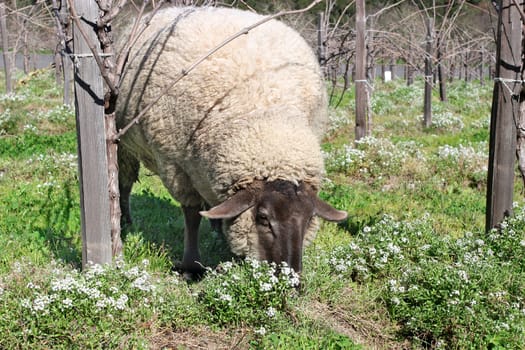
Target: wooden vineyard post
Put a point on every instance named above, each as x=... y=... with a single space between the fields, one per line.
x=321 y=45
x=442 y=76
x=66 y=62
x=427 y=113
x=505 y=109
x=89 y=101
x=5 y=49
x=361 y=95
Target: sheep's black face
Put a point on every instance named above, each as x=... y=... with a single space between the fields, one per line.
x=282 y=212
x=282 y=216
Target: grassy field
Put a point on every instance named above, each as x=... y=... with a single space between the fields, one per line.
x=411 y=268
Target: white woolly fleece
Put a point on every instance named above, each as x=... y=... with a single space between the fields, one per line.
x=253 y=110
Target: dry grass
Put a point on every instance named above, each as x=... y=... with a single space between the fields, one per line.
x=201 y=337
x=362 y=320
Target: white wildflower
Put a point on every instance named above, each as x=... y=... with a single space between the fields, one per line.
x=120 y=303
x=265 y=287
x=260 y=331
x=94 y=270
x=26 y=303
x=479 y=242
x=354 y=246
x=104 y=302
x=271 y=312
x=17 y=267
x=143 y=283
x=67 y=303
x=273 y=279
x=294 y=281
x=255 y=264
x=392 y=248
x=285 y=270
x=41 y=302
x=227 y=265
x=132 y=272
x=67 y=283
x=92 y=293
x=31 y=285
x=341 y=267
x=463 y=275
x=225 y=297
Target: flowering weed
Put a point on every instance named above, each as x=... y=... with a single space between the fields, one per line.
x=97 y=308
x=251 y=293
x=447 y=121
x=373 y=158
x=446 y=292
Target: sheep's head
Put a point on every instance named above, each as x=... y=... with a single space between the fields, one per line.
x=278 y=216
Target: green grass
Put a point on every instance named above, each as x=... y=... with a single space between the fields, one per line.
x=412 y=267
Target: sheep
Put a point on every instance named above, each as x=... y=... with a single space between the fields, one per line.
x=239 y=136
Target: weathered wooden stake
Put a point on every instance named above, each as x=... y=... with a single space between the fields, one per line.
x=5 y=49
x=67 y=66
x=361 y=96
x=442 y=75
x=481 y=62
x=321 y=45
x=409 y=69
x=427 y=113
x=505 y=109
x=89 y=100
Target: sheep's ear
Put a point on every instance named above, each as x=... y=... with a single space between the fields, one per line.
x=327 y=212
x=231 y=207
x=323 y=209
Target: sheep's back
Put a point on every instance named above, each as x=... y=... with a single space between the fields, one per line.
x=270 y=65
x=270 y=68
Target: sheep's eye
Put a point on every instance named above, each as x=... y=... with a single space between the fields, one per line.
x=262 y=219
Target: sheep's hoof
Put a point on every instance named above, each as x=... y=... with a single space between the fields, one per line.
x=190 y=272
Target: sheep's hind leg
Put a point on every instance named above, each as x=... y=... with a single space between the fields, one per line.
x=191 y=260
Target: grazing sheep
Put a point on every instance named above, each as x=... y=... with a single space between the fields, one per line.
x=239 y=134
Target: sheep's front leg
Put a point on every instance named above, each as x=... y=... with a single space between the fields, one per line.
x=191 y=258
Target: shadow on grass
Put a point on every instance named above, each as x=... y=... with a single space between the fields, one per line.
x=160 y=222
x=61 y=217
x=157 y=221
